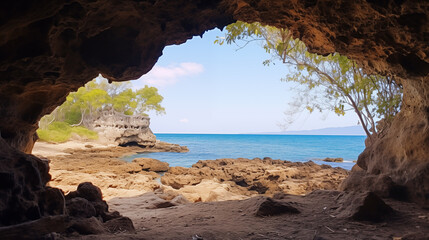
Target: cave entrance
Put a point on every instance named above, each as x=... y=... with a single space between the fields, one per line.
x=221 y=102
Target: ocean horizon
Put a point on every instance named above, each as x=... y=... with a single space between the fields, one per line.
x=337 y=131
x=295 y=148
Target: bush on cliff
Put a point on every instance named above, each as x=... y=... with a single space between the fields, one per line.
x=61 y=132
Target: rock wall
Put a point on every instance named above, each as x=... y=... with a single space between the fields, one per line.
x=113 y=127
x=23 y=192
x=49 y=48
x=397 y=164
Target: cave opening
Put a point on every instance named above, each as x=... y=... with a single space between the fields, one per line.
x=249 y=87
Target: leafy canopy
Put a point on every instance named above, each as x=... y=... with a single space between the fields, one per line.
x=334 y=82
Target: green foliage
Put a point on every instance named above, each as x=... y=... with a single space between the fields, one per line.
x=73 y=116
x=333 y=82
x=61 y=132
x=84 y=105
x=85 y=132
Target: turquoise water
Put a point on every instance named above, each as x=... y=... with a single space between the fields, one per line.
x=296 y=148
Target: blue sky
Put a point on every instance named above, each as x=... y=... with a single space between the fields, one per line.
x=209 y=88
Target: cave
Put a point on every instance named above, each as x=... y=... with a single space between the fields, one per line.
x=50 y=48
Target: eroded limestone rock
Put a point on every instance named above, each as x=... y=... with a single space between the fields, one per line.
x=150 y=164
x=263 y=176
x=114 y=127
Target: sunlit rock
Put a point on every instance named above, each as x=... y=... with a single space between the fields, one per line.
x=114 y=127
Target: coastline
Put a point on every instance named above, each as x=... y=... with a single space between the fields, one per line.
x=230 y=179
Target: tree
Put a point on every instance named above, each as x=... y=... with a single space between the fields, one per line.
x=86 y=104
x=332 y=82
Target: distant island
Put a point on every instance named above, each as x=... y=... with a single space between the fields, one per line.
x=351 y=130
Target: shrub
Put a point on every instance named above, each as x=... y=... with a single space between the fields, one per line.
x=58 y=132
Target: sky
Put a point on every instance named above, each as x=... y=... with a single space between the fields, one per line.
x=208 y=88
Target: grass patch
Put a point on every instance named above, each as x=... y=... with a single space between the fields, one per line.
x=59 y=132
x=85 y=132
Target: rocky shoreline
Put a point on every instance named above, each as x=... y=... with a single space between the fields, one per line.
x=210 y=180
x=250 y=177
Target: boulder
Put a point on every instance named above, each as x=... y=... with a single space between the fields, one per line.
x=363 y=206
x=90 y=192
x=53 y=201
x=150 y=164
x=270 y=207
x=80 y=207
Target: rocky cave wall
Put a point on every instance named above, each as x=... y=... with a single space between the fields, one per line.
x=49 y=48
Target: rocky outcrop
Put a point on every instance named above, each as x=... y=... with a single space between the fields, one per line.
x=257 y=176
x=23 y=192
x=150 y=164
x=161 y=146
x=114 y=127
x=397 y=163
x=90 y=214
x=333 y=159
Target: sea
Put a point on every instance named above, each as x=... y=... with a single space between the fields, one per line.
x=295 y=148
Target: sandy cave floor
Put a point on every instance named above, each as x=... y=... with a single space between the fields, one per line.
x=318 y=217
x=237 y=220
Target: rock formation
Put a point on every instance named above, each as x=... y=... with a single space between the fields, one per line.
x=114 y=127
x=150 y=164
x=257 y=176
x=49 y=48
x=23 y=195
x=90 y=214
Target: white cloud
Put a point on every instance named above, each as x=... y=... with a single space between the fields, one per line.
x=164 y=76
x=184 y=120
